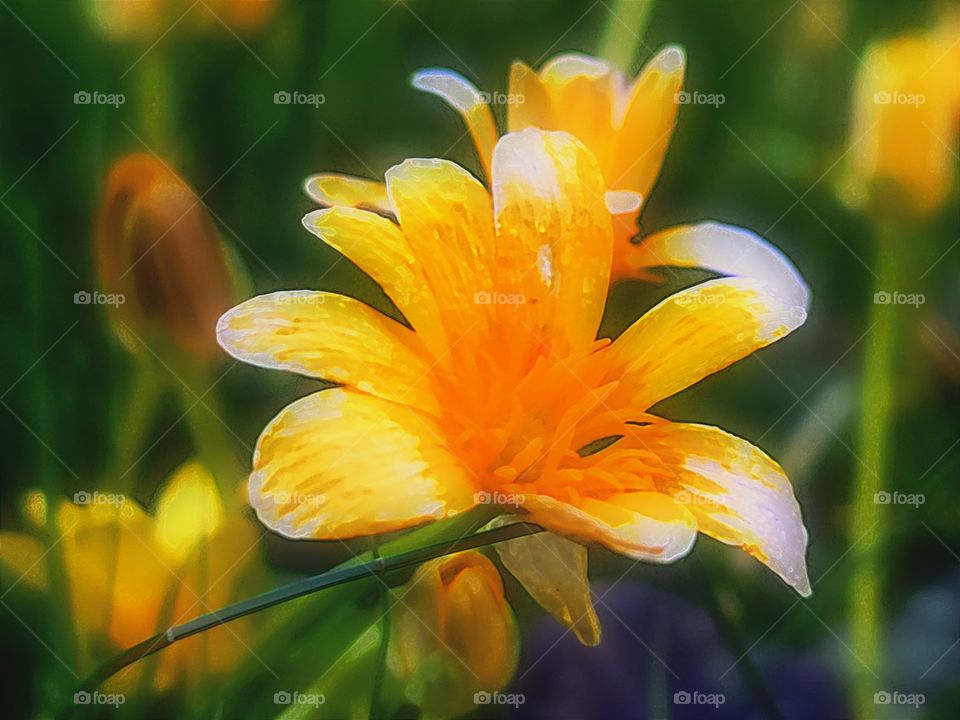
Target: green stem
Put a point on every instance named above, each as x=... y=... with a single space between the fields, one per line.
x=624 y=31
x=876 y=423
x=213 y=441
x=345 y=573
x=154 y=100
x=135 y=418
x=48 y=473
x=377 y=691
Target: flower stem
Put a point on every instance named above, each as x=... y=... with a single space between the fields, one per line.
x=377 y=689
x=136 y=414
x=624 y=31
x=211 y=434
x=345 y=573
x=876 y=422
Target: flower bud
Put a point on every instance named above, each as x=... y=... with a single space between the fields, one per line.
x=452 y=634
x=159 y=252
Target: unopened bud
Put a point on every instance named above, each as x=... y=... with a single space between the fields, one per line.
x=158 y=249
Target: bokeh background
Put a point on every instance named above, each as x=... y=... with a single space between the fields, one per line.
x=770 y=158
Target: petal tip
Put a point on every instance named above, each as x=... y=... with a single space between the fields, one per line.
x=671 y=59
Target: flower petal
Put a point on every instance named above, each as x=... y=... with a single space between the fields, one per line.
x=335 y=190
x=446 y=216
x=726 y=250
x=332 y=337
x=693 y=334
x=189 y=511
x=738 y=494
x=554 y=571
x=582 y=89
x=24 y=555
x=625 y=207
x=339 y=464
x=460 y=94
x=554 y=234
x=120 y=595
x=647 y=125
x=646 y=526
x=529 y=104
x=222 y=569
x=379 y=248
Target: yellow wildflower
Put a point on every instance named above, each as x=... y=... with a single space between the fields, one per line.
x=906 y=122
x=627 y=126
x=130 y=575
x=499 y=388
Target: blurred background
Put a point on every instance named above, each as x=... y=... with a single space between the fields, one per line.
x=196 y=86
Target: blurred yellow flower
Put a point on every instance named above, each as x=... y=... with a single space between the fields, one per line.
x=160 y=255
x=129 y=575
x=627 y=126
x=144 y=19
x=500 y=393
x=452 y=634
x=906 y=122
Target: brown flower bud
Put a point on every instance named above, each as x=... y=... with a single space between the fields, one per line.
x=158 y=248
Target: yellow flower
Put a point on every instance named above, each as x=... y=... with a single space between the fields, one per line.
x=130 y=575
x=452 y=634
x=499 y=386
x=160 y=255
x=627 y=126
x=906 y=122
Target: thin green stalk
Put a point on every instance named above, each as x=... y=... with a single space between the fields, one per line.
x=135 y=417
x=377 y=690
x=624 y=31
x=49 y=472
x=154 y=100
x=345 y=573
x=214 y=442
x=877 y=404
